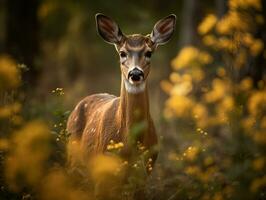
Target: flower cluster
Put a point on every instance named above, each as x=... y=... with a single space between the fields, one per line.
x=219 y=109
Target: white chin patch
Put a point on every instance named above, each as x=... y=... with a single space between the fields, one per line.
x=134 y=88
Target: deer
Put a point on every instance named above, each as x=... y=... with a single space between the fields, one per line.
x=100 y=118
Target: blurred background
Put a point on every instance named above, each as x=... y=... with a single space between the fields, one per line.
x=207 y=90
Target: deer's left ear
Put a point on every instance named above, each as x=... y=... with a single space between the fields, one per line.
x=163 y=30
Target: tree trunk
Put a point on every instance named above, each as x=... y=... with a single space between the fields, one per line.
x=22 y=35
x=189 y=20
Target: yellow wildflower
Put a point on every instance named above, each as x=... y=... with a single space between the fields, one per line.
x=207 y=24
x=9 y=73
x=258 y=164
x=246 y=84
x=185 y=57
x=209 y=40
x=256 y=47
x=257 y=102
x=218 y=91
x=191 y=153
x=258 y=183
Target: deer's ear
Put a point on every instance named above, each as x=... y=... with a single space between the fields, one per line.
x=163 y=30
x=108 y=29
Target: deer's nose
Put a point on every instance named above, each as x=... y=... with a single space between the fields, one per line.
x=136 y=75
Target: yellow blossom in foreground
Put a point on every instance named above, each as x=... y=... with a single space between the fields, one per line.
x=64 y=188
x=221 y=72
x=245 y=4
x=191 y=153
x=248 y=123
x=219 y=90
x=180 y=105
x=112 y=145
x=209 y=40
x=9 y=73
x=182 y=88
x=257 y=102
x=191 y=56
x=200 y=113
x=260 y=137
x=257 y=184
x=256 y=47
x=233 y=21
x=258 y=163
x=192 y=170
x=175 y=77
x=185 y=57
x=197 y=74
x=102 y=166
x=246 y=84
x=166 y=86
x=207 y=24
x=26 y=161
x=4 y=144
x=218 y=196
x=9 y=110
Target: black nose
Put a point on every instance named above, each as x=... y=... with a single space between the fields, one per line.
x=135 y=74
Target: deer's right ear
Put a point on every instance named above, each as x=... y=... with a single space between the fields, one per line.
x=108 y=29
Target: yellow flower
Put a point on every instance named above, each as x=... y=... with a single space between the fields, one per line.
x=256 y=47
x=185 y=57
x=219 y=90
x=207 y=24
x=204 y=58
x=245 y=4
x=260 y=137
x=182 y=89
x=246 y=84
x=166 y=86
x=197 y=74
x=257 y=184
x=9 y=73
x=175 y=77
x=241 y=59
x=102 y=166
x=221 y=72
x=248 y=123
x=192 y=170
x=4 y=144
x=227 y=103
x=191 y=153
x=29 y=154
x=218 y=196
x=180 y=105
x=263 y=123
x=258 y=164
x=257 y=103
x=191 y=56
x=209 y=40
x=9 y=110
x=233 y=21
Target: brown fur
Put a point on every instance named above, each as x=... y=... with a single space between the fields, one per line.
x=99 y=118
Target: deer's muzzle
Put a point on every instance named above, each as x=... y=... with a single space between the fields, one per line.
x=136 y=75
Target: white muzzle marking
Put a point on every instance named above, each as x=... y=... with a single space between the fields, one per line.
x=134 y=88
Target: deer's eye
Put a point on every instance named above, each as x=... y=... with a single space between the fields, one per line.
x=123 y=54
x=148 y=54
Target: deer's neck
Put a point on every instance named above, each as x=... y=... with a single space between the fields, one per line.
x=134 y=109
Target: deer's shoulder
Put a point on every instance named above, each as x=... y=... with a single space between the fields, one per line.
x=94 y=101
x=86 y=108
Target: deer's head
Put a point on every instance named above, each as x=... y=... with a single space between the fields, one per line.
x=135 y=50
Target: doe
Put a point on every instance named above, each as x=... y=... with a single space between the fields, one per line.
x=101 y=118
